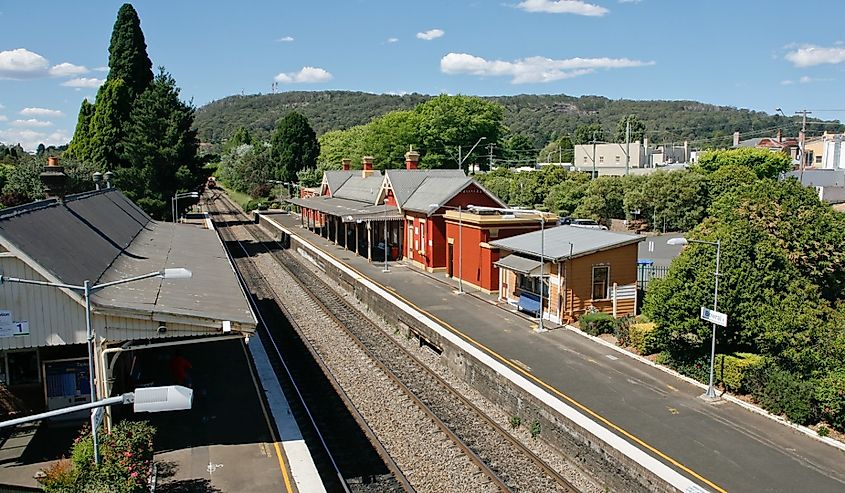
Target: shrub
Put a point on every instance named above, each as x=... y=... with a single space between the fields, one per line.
x=261 y=191
x=782 y=392
x=641 y=337
x=58 y=477
x=622 y=330
x=596 y=323
x=734 y=370
x=830 y=395
x=254 y=204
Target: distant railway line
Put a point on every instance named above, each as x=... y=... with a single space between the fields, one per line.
x=431 y=437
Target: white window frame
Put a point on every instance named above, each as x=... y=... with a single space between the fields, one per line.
x=606 y=281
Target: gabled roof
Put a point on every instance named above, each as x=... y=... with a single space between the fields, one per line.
x=335 y=179
x=78 y=239
x=404 y=182
x=434 y=192
x=357 y=187
x=556 y=242
x=102 y=236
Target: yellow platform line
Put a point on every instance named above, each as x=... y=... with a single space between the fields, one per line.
x=537 y=380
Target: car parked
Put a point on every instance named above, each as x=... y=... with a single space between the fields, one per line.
x=581 y=223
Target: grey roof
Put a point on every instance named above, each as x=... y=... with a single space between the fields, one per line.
x=820 y=177
x=435 y=191
x=336 y=178
x=519 y=264
x=556 y=242
x=102 y=236
x=751 y=142
x=404 y=181
x=359 y=188
x=212 y=293
x=349 y=210
x=78 y=239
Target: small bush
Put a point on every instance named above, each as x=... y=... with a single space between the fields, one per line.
x=830 y=395
x=734 y=370
x=641 y=337
x=622 y=330
x=781 y=392
x=596 y=323
x=58 y=477
x=260 y=191
x=254 y=204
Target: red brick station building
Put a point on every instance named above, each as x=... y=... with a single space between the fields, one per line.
x=444 y=221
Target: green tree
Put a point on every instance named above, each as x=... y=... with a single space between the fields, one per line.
x=388 y=137
x=449 y=122
x=107 y=127
x=637 y=130
x=670 y=201
x=295 y=146
x=240 y=137
x=128 y=58
x=342 y=144
x=604 y=200
x=586 y=134
x=518 y=150
x=764 y=163
x=565 y=197
x=160 y=147
x=558 y=151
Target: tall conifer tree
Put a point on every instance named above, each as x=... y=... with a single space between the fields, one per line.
x=128 y=59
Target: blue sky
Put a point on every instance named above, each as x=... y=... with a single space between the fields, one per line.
x=748 y=54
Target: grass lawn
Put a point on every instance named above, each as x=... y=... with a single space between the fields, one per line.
x=240 y=198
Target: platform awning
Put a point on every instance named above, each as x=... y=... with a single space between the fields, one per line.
x=350 y=211
x=520 y=265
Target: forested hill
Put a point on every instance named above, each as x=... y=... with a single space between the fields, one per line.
x=540 y=117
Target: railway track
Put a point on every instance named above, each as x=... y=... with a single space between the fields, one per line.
x=504 y=462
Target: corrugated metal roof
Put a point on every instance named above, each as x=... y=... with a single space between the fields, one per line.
x=556 y=242
x=518 y=264
x=435 y=190
x=404 y=181
x=360 y=188
x=820 y=177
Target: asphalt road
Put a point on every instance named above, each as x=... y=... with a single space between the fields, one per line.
x=733 y=448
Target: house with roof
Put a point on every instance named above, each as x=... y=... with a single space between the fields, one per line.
x=562 y=272
x=102 y=237
x=398 y=214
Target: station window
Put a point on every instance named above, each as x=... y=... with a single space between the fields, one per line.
x=601 y=159
x=617 y=159
x=23 y=368
x=532 y=285
x=601 y=285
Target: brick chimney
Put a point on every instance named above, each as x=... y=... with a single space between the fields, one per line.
x=412 y=160
x=54 y=178
x=736 y=139
x=345 y=163
x=780 y=136
x=368 y=166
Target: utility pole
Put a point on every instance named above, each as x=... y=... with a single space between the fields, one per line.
x=627 y=145
x=593 y=176
x=489 y=156
x=460 y=160
x=801 y=143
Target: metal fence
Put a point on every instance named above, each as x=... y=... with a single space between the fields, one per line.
x=646 y=273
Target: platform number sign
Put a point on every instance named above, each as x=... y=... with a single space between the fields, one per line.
x=10 y=328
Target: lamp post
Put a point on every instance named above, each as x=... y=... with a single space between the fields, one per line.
x=711 y=389
x=182 y=195
x=460 y=242
x=464 y=158
x=87 y=289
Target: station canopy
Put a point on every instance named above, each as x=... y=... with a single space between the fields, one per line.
x=350 y=211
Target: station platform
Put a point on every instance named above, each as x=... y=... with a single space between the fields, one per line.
x=226 y=442
x=719 y=446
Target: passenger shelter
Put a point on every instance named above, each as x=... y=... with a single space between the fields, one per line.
x=101 y=237
x=582 y=269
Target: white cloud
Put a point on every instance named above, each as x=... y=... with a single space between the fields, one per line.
x=101 y=69
x=32 y=122
x=787 y=82
x=392 y=40
x=577 y=7
x=30 y=139
x=3 y=118
x=84 y=82
x=810 y=55
x=40 y=112
x=285 y=39
x=630 y=1
x=532 y=69
x=67 y=70
x=305 y=75
x=22 y=64
x=431 y=34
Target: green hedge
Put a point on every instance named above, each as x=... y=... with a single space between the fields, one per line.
x=641 y=337
x=830 y=395
x=734 y=370
x=597 y=323
x=782 y=392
